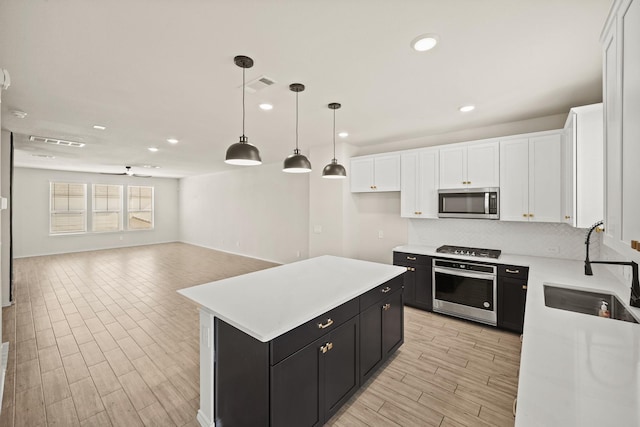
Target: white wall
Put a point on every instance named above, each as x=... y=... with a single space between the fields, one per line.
x=5 y=220
x=256 y=211
x=31 y=214
x=346 y=224
x=538 y=124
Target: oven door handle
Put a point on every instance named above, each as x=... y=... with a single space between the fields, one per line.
x=486 y=202
x=456 y=272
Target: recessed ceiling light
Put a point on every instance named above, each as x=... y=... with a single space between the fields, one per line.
x=343 y=134
x=467 y=108
x=266 y=107
x=19 y=114
x=425 y=42
x=44 y=156
x=172 y=141
x=151 y=166
x=153 y=149
x=99 y=127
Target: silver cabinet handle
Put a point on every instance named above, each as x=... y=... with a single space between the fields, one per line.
x=512 y=271
x=411 y=258
x=386 y=307
x=385 y=290
x=325 y=325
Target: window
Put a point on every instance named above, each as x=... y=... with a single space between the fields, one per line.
x=68 y=208
x=140 y=207
x=107 y=207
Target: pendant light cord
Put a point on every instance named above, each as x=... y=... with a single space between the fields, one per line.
x=334 y=134
x=297 y=122
x=243 y=70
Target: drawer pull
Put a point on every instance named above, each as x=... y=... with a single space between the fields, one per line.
x=325 y=325
x=324 y=348
x=386 y=307
x=411 y=258
x=385 y=290
x=524 y=287
x=512 y=271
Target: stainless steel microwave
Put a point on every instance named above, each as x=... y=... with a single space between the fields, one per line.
x=483 y=203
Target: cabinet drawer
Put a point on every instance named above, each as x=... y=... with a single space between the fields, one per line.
x=292 y=341
x=380 y=292
x=515 y=271
x=404 y=258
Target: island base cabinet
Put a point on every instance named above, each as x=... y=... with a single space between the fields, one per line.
x=240 y=360
x=381 y=333
x=309 y=386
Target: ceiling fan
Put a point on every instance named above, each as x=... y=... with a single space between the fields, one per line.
x=128 y=173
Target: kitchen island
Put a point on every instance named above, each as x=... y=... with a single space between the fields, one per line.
x=289 y=345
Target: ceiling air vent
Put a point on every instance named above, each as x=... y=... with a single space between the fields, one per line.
x=54 y=141
x=260 y=83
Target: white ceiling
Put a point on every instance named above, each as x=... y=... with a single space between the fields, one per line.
x=154 y=69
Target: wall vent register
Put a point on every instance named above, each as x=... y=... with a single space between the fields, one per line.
x=467 y=251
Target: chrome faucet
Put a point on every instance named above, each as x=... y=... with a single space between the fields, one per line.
x=635 y=285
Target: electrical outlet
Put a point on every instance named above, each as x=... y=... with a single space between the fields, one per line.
x=380 y=234
x=121 y=237
x=298 y=254
x=317 y=229
x=238 y=243
x=553 y=250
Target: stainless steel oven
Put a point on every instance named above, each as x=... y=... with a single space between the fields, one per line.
x=465 y=289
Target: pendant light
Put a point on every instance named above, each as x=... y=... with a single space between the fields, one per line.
x=334 y=169
x=296 y=163
x=242 y=153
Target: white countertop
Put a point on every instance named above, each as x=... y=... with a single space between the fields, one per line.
x=267 y=303
x=575 y=369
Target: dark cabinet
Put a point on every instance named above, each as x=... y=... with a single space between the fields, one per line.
x=417 y=279
x=309 y=386
x=381 y=332
x=303 y=377
x=512 y=296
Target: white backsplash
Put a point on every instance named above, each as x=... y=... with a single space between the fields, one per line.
x=537 y=239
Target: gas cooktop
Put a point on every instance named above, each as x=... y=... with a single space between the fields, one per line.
x=463 y=250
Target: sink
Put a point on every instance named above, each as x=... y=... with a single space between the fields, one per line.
x=586 y=302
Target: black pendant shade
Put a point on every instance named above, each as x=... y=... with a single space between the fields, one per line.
x=242 y=153
x=334 y=170
x=296 y=162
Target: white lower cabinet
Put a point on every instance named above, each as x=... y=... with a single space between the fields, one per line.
x=530 y=179
x=419 y=184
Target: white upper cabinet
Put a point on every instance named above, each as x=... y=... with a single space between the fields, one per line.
x=471 y=165
x=375 y=173
x=514 y=169
x=419 y=184
x=621 y=96
x=530 y=170
x=582 y=162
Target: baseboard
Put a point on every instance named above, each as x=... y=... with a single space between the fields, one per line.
x=106 y=248
x=204 y=420
x=3 y=368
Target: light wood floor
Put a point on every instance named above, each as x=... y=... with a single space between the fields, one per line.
x=102 y=338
